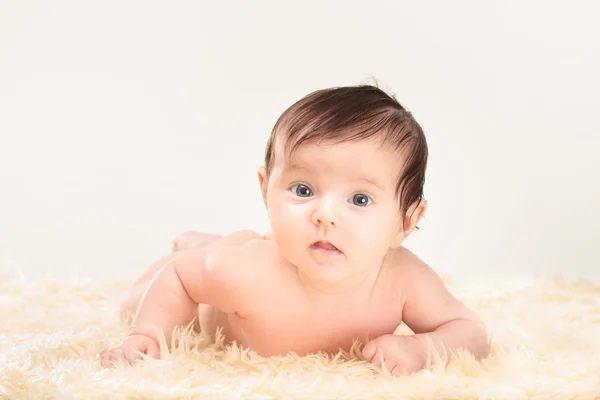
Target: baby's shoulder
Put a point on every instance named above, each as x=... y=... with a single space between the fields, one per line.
x=244 y=252
x=402 y=267
x=409 y=275
x=403 y=261
x=250 y=267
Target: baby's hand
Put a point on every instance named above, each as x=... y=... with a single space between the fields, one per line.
x=400 y=354
x=129 y=349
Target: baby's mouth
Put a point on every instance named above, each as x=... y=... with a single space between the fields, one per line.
x=325 y=247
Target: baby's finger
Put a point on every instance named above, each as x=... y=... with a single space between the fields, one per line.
x=119 y=355
x=153 y=351
x=397 y=371
x=112 y=357
x=378 y=359
x=369 y=350
x=132 y=354
x=105 y=360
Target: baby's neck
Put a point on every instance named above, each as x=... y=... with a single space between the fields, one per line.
x=354 y=285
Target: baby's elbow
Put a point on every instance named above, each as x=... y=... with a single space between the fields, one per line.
x=482 y=348
x=476 y=333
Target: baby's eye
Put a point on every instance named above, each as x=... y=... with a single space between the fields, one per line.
x=301 y=190
x=361 y=200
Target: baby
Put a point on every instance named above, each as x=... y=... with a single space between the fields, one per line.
x=342 y=183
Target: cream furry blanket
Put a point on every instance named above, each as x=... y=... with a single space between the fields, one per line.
x=545 y=345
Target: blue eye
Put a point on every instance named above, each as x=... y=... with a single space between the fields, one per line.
x=361 y=200
x=301 y=191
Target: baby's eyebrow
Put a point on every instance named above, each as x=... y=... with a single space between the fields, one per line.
x=298 y=166
x=373 y=182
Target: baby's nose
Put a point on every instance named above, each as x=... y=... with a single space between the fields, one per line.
x=324 y=219
x=325 y=213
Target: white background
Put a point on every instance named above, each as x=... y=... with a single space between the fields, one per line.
x=124 y=123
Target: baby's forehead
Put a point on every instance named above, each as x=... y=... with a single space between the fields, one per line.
x=348 y=159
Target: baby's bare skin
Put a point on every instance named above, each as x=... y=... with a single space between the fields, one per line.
x=280 y=315
x=276 y=314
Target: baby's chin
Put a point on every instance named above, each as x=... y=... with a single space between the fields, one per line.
x=330 y=273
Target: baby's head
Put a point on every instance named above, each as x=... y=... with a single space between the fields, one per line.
x=343 y=180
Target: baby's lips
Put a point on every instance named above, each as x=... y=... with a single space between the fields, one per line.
x=325 y=246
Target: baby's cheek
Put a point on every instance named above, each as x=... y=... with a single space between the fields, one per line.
x=283 y=229
x=370 y=238
x=279 y=221
x=367 y=231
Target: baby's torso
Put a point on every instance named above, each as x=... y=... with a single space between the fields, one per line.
x=282 y=319
x=279 y=330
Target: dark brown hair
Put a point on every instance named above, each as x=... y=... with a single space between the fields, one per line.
x=352 y=113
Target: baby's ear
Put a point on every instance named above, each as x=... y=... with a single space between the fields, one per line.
x=263 y=182
x=414 y=215
x=411 y=219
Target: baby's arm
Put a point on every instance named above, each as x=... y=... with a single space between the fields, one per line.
x=435 y=316
x=190 y=279
x=213 y=275
x=184 y=241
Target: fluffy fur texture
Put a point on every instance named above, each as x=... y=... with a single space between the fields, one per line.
x=545 y=345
